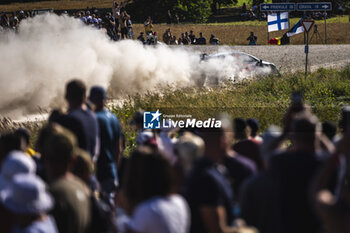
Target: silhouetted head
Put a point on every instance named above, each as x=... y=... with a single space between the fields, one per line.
x=75 y=92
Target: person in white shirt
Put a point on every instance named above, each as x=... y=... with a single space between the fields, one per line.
x=150 y=197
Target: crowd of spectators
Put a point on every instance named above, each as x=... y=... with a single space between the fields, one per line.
x=229 y=179
x=117 y=23
x=188 y=39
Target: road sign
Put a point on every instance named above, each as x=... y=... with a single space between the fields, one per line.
x=277 y=7
x=307 y=24
x=314 y=6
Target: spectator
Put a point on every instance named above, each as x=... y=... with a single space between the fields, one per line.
x=167 y=36
x=253 y=125
x=30 y=203
x=173 y=40
x=333 y=208
x=151 y=38
x=168 y=17
x=25 y=136
x=16 y=162
x=8 y=143
x=72 y=210
x=293 y=171
x=141 y=38
x=148 y=26
x=123 y=19
x=110 y=139
x=329 y=129
x=207 y=190
x=184 y=40
x=192 y=37
x=130 y=29
x=154 y=206
x=79 y=119
x=201 y=40
x=252 y=39
x=4 y=22
x=244 y=146
x=244 y=8
x=213 y=40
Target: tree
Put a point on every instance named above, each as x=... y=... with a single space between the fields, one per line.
x=194 y=10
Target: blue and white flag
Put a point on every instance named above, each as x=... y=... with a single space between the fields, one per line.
x=277 y=21
x=298 y=28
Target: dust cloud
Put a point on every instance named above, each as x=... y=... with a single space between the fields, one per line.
x=49 y=50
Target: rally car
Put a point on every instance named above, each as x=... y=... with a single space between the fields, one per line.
x=243 y=62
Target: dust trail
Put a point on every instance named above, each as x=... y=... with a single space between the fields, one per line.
x=49 y=50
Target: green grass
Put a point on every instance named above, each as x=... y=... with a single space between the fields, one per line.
x=266 y=99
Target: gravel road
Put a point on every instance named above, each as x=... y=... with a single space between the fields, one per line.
x=291 y=57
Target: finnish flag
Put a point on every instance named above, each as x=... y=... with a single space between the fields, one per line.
x=298 y=28
x=277 y=21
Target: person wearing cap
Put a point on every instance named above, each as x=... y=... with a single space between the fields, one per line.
x=30 y=203
x=72 y=209
x=16 y=162
x=110 y=135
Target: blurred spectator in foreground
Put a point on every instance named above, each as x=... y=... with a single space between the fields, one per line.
x=253 y=124
x=110 y=142
x=79 y=119
x=16 y=162
x=9 y=142
x=329 y=129
x=252 y=39
x=30 y=203
x=144 y=136
x=293 y=171
x=207 y=190
x=149 y=191
x=72 y=209
x=25 y=136
x=244 y=146
x=201 y=40
x=333 y=207
x=213 y=40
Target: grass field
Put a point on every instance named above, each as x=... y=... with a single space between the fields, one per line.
x=337 y=33
x=265 y=99
x=224 y=26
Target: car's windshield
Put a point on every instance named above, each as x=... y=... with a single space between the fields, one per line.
x=245 y=58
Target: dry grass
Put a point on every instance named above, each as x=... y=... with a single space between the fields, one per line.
x=337 y=33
